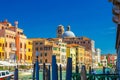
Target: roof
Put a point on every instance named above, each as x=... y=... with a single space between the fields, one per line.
x=74 y=45
x=85 y=38
x=54 y=39
x=36 y=39
x=68 y=34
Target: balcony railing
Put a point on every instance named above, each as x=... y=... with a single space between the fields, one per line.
x=115 y=19
x=118 y=1
x=77 y=76
x=116 y=10
x=13 y=48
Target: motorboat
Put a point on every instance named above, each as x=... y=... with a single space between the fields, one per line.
x=5 y=74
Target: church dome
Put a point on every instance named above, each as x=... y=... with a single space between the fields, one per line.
x=68 y=33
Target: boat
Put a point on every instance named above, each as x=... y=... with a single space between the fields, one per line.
x=5 y=74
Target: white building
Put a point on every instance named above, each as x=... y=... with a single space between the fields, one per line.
x=93 y=52
x=96 y=53
x=98 y=56
x=104 y=60
x=62 y=49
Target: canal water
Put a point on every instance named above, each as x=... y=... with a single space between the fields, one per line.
x=29 y=77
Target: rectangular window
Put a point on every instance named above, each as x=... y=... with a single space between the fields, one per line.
x=3 y=45
x=7 y=36
x=25 y=46
x=63 y=50
x=25 y=57
x=41 y=43
x=29 y=43
x=55 y=48
x=28 y=57
x=3 y=54
x=6 y=44
x=40 y=60
x=45 y=60
x=41 y=54
x=29 y=50
x=45 y=54
x=41 y=48
x=36 y=43
x=20 y=45
x=45 y=48
x=20 y=56
x=0 y=54
x=0 y=44
x=63 y=45
x=36 y=49
x=10 y=45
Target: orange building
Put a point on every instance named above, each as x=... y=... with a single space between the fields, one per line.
x=88 y=58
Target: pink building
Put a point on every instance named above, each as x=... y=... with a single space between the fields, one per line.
x=111 y=59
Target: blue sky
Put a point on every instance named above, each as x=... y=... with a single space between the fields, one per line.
x=40 y=18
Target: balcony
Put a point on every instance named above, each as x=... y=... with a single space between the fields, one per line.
x=25 y=50
x=118 y=1
x=115 y=19
x=21 y=50
x=13 y=48
x=116 y=10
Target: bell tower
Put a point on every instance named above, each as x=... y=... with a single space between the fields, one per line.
x=60 y=31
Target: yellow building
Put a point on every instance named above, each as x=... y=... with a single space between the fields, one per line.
x=2 y=53
x=78 y=57
x=28 y=55
x=80 y=51
x=71 y=52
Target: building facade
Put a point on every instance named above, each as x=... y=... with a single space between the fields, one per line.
x=77 y=42
x=28 y=55
x=116 y=19
x=2 y=45
x=111 y=59
x=46 y=48
x=70 y=38
x=71 y=52
x=88 y=58
x=96 y=53
x=93 y=54
x=13 y=43
x=80 y=52
x=62 y=49
x=104 y=60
